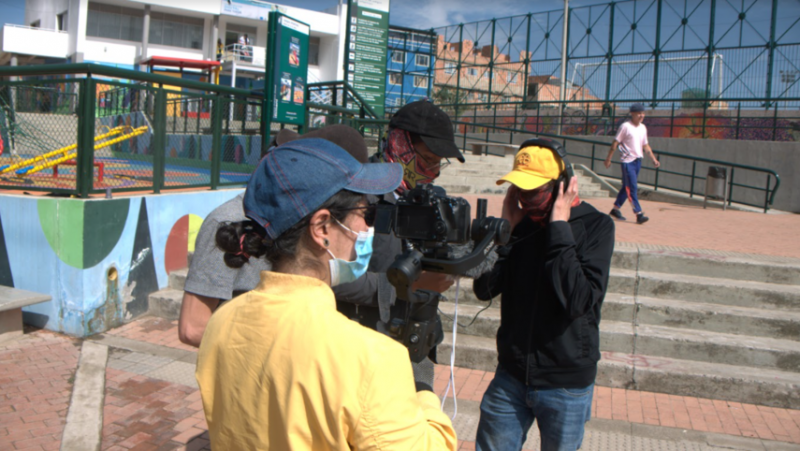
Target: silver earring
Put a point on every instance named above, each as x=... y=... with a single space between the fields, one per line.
x=326 y=242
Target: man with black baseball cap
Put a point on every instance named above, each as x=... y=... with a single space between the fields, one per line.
x=420 y=137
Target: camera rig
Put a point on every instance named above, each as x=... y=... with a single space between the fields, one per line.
x=431 y=223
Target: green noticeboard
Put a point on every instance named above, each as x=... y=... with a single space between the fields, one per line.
x=287 y=68
x=367 y=41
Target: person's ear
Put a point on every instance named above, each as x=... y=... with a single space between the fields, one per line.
x=319 y=228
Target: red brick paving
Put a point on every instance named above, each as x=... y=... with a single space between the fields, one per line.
x=142 y=413
x=36 y=375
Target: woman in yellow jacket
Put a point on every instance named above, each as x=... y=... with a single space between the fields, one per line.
x=279 y=368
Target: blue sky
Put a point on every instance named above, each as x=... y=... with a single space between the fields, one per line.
x=409 y=13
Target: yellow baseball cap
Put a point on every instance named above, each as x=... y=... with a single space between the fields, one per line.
x=533 y=167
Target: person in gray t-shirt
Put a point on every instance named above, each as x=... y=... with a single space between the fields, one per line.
x=210 y=280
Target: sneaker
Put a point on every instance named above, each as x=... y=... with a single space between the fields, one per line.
x=616 y=214
x=641 y=218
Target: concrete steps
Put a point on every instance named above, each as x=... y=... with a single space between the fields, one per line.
x=166 y=303
x=682 y=322
x=745 y=384
x=479 y=174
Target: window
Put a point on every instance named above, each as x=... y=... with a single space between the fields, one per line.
x=62 y=21
x=395 y=78
x=423 y=60
x=313 y=51
x=114 y=22
x=398 y=56
x=176 y=31
x=472 y=72
x=449 y=68
x=512 y=77
x=420 y=81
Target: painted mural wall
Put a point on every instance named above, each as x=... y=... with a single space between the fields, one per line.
x=682 y=125
x=99 y=259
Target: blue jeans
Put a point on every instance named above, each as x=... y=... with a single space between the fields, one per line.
x=630 y=176
x=509 y=408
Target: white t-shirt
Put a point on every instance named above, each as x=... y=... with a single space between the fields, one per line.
x=632 y=140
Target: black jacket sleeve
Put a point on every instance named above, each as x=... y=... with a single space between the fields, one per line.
x=579 y=281
x=488 y=285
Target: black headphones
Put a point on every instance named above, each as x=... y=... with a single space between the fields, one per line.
x=557 y=149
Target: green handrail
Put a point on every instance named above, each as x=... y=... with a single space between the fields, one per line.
x=349 y=89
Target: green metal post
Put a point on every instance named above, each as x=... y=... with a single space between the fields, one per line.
x=710 y=50
x=159 y=139
x=216 y=139
x=458 y=69
x=491 y=67
x=672 y=119
x=766 y=194
x=771 y=45
x=775 y=123
x=694 y=169
x=730 y=190
x=656 y=55
x=84 y=179
x=738 y=118
x=592 y=162
x=527 y=61
x=655 y=188
x=610 y=54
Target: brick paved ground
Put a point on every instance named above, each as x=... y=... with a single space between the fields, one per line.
x=694 y=227
x=36 y=376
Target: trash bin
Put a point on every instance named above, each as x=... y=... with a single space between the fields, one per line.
x=717 y=185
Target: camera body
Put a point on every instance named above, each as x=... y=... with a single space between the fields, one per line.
x=428 y=218
x=432 y=224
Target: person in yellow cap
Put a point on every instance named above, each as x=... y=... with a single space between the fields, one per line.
x=552 y=277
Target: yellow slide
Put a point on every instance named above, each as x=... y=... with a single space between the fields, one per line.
x=68 y=153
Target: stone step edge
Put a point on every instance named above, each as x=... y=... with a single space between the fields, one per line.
x=761 y=386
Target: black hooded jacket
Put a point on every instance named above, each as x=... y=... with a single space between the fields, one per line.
x=553 y=280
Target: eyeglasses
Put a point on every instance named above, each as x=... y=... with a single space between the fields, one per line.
x=426 y=165
x=370 y=212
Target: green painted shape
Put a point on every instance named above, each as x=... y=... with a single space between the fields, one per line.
x=62 y=224
x=103 y=223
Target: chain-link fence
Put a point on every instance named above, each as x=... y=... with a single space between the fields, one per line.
x=705 y=68
x=104 y=130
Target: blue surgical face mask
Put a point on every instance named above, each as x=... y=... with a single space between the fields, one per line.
x=343 y=271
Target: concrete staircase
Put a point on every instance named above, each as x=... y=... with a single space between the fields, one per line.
x=480 y=173
x=166 y=303
x=683 y=323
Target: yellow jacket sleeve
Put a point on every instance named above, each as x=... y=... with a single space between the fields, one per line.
x=396 y=417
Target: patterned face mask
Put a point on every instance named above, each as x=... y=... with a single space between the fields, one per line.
x=398 y=148
x=538 y=202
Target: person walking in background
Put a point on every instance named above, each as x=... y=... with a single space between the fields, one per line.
x=631 y=140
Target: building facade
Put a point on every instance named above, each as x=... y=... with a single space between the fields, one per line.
x=410 y=61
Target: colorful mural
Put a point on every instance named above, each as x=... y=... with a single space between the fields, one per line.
x=99 y=259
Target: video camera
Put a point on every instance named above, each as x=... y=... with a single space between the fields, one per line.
x=434 y=225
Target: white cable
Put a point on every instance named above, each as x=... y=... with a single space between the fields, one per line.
x=452 y=382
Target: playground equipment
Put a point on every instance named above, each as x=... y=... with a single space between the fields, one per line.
x=66 y=155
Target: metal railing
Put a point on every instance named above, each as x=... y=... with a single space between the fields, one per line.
x=341 y=94
x=684 y=181
x=187 y=134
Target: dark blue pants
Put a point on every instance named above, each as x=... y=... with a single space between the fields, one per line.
x=509 y=408
x=630 y=175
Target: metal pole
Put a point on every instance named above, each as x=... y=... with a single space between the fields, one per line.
x=710 y=59
x=527 y=61
x=84 y=172
x=610 y=54
x=771 y=44
x=145 y=32
x=491 y=69
x=160 y=138
x=656 y=54
x=564 y=50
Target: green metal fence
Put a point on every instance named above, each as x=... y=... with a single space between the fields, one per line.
x=730 y=66
x=83 y=129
